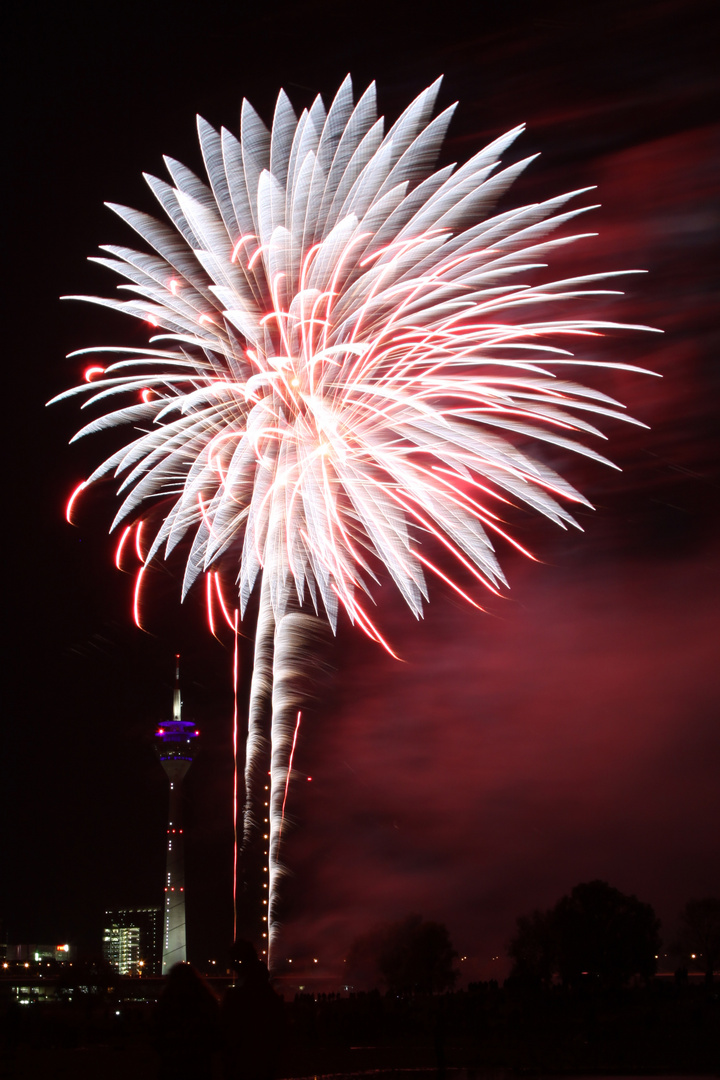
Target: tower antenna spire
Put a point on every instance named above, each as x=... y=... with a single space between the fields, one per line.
x=177 y=698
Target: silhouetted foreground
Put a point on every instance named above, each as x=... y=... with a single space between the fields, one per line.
x=252 y=1020
x=666 y=1027
x=185 y=1026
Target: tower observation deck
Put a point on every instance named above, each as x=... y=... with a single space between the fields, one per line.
x=176 y=742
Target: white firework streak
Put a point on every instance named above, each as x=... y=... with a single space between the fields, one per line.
x=342 y=372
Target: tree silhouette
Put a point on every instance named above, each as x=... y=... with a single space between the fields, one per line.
x=411 y=956
x=534 y=948
x=595 y=933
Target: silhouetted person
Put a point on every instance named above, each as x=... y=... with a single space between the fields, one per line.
x=251 y=1019
x=186 y=1026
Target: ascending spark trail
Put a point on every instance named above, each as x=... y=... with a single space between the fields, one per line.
x=235 y=773
x=232 y=623
x=344 y=379
x=287 y=781
x=209 y=604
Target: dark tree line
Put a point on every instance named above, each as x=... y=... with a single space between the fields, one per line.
x=594 y=936
x=596 y=933
x=410 y=957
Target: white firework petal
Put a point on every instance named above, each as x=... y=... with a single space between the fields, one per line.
x=352 y=175
x=237 y=187
x=295 y=159
x=301 y=206
x=130 y=415
x=255 y=145
x=335 y=249
x=335 y=124
x=188 y=183
x=168 y=245
x=212 y=151
x=270 y=211
x=358 y=123
x=417 y=159
x=168 y=197
x=149 y=266
x=283 y=129
x=195 y=563
x=209 y=230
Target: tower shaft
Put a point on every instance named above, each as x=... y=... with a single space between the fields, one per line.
x=176 y=748
x=174 y=931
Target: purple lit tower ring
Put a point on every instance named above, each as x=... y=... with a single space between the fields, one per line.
x=176 y=746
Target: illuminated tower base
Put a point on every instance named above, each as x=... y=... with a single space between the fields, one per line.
x=176 y=749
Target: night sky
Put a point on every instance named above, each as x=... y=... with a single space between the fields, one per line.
x=569 y=733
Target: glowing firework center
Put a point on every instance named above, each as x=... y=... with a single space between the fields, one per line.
x=176 y=746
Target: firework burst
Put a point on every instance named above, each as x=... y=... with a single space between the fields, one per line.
x=341 y=381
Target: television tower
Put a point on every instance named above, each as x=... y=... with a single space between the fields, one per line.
x=176 y=748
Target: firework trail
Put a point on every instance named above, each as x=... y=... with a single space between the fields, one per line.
x=341 y=383
x=287 y=779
